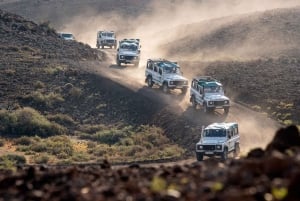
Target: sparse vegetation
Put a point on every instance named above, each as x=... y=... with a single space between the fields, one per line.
x=27 y=122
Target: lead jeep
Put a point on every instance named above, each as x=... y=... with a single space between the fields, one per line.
x=128 y=52
x=165 y=74
x=218 y=139
x=106 y=38
x=209 y=94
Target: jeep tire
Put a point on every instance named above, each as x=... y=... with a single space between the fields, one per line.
x=205 y=108
x=165 y=88
x=224 y=155
x=149 y=81
x=226 y=110
x=194 y=103
x=236 y=150
x=118 y=62
x=199 y=156
x=184 y=90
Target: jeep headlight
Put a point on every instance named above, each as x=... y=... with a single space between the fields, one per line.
x=185 y=82
x=200 y=147
x=122 y=56
x=226 y=102
x=210 y=102
x=171 y=82
x=218 y=147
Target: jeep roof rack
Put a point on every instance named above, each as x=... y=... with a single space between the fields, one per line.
x=223 y=125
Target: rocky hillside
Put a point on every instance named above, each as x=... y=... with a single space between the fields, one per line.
x=270 y=174
x=273 y=33
x=256 y=56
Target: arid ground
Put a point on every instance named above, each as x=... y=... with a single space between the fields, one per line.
x=65 y=102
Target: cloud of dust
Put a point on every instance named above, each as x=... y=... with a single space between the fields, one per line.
x=256 y=130
x=158 y=25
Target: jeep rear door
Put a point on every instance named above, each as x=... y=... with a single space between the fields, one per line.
x=156 y=76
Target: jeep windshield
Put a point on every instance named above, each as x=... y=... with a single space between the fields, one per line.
x=169 y=68
x=213 y=89
x=108 y=34
x=131 y=47
x=214 y=133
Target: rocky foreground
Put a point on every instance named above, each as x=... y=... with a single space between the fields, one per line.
x=270 y=174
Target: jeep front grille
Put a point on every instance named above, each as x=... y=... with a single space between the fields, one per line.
x=129 y=57
x=109 y=41
x=209 y=147
x=218 y=103
x=178 y=83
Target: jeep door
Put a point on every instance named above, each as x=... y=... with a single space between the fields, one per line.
x=231 y=139
x=156 y=77
x=199 y=95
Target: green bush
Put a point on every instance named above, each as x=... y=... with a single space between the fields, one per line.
x=62 y=119
x=59 y=145
x=41 y=159
x=14 y=158
x=80 y=157
x=24 y=140
x=39 y=147
x=27 y=122
x=48 y=100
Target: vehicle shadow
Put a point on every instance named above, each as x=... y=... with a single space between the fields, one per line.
x=198 y=116
x=173 y=95
x=123 y=66
x=115 y=66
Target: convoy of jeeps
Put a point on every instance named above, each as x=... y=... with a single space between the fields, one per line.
x=217 y=139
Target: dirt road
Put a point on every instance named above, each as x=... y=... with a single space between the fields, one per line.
x=256 y=129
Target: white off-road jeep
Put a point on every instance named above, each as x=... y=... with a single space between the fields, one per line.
x=128 y=52
x=106 y=38
x=165 y=74
x=218 y=139
x=209 y=94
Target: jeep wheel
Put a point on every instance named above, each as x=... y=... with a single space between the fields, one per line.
x=205 y=108
x=236 y=150
x=149 y=82
x=194 y=103
x=97 y=46
x=102 y=46
x=199 y=156
x=118 y=62
x=224 y=155
x=165 y=88
x=184 y=90
x=226 y=110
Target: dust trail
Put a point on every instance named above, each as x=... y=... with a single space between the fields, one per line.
x=151 y=26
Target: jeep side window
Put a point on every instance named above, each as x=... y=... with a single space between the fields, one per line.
x=149 y=66
x=194 y=85
x=155 y=69
x=200 y=90
x=160 y=71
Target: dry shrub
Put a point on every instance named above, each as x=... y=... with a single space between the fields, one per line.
x=62 y=119
x=27 y=122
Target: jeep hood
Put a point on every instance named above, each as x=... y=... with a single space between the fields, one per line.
x=174 y=77
x=128 y=53
x=215 y=97
x=212 y=140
